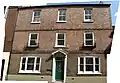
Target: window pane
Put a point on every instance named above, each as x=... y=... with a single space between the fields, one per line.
x=81 y=60
x=86 y=17
x=89 y=67
x=96 y=60
x=30 y=67
x=60 y=42
x=36 y=19
x=62 y=12
x=90 y=42
x=96 y=67
x=89 y=17
x=33 y=42
x=36 y=13
x=38 y=60
x=30 y=64
x=60 y=36
x=31 y=60
x=23 y=67
x=88 y=11
x=37 y=67
x=89 y=60
x=23 y=64
x=81 y=68
x=89 y=36
x=23 y=60
x=33 y=36
x=62 y=18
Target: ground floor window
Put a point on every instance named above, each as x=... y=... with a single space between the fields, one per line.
x=88 y=65
x=30 y=64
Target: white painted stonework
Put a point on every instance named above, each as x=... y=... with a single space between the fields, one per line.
x=6 y=58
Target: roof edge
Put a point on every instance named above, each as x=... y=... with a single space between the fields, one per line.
x=60 y=5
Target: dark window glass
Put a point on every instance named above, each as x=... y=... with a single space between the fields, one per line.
x=36 y=13
x=81 y=67
x=23 y=60
x=33 y=36
x=89 y=36
x=90 y=42
x=23 y=63
x=33 y=42
x=37 y=67
x=23 y=67
x=96 y=67
x=81 y=60
x=96 y=60
x=60 y=42
x=60 y=36
x=89 y=67
x=89 y=60
x=30 y=64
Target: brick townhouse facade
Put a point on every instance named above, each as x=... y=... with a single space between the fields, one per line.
x=68 y=43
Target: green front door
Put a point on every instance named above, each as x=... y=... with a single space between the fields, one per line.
x=59 y=68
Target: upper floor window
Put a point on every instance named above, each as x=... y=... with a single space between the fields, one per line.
x=30 y=64
x=33 y=40
x=61 y=15
x=88 y=14
x=60 y=40
x=88 y=65
x=88 y=39
x=36 y=16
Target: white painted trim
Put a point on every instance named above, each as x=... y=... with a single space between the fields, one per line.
x=6 y=58
x=59 y=50
x=33 y=17
x=53 y=69
x=54 y=66
x=29 y=71
x=88 y=72
x=62 y=21
x=65 y=68
x=56 y=40
x=30 y=39
x=35 y=22
x=91 y=39
x=87 y=20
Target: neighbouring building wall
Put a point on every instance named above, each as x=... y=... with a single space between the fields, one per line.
x=9 y=28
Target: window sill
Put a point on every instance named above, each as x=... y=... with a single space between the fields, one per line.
x=61 y=21
x=60 y=46
x=34 y=72
x=35 y=22
x=32 y=46
x=89 y=73
x=88 y=21
x=89 y=45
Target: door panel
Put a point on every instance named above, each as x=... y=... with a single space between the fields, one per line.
x=59 y=69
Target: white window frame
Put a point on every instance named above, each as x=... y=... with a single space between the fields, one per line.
x=88 y=20
x=59 y=15
x=56 y=40
x=33 y=17
x=89 y=39
x=30 y=39
x=30 y=71
x=89 y=72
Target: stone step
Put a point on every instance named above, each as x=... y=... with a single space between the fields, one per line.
x=58 y=82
